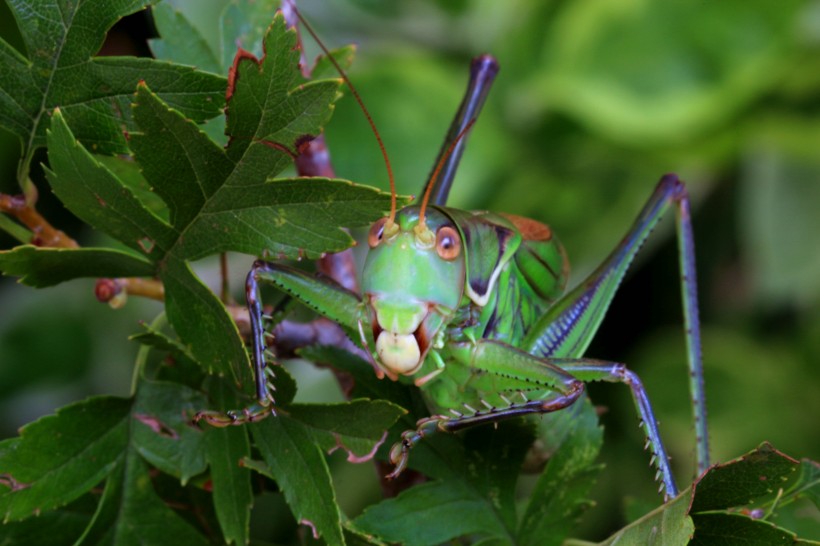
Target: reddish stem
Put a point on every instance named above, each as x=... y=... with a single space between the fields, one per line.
x=115 y=291
x=42 y=232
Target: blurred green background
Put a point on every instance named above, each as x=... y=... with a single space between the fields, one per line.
x=595 y=100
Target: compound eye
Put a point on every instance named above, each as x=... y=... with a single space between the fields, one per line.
x=376 y=233
x=448 y=243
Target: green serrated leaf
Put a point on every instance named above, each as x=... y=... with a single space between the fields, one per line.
x=560 y=495
x=181 y=42
x=219 y=200
x=668 y=525
x=41 y=266
x=356 y=537
x=94 y=92
x=442 y=456
x=225 y=448
x=744 y=481
x=297 y=218
x=218 y=204
x=59 y=527
x=59 y=457
x=213 y=337
x=284 y=386
x=268 y=117
x=325 y=69
x=489 y=471
x=131 y=513
x=299 y=468
x=158 y=340
x=162 y=431
x=95 y=195
x=764 y=478
x=182 y=165
x=244 y=24
x=359 y=427
x=366 y=383
x=740 y=530
x=809 y=482
x=493 y=464
x=405 y=518
x=129 y=172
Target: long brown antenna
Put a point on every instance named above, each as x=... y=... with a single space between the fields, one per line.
x=355 y=93
x=438 y=168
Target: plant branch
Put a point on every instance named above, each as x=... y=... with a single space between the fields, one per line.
x=42 y=232
x=115 y=292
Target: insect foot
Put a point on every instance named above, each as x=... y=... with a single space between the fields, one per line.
x=400 y=452
x=225 y=419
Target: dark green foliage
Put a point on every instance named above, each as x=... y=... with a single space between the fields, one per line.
x=94 y=93
x=191 y=183
x=213 y=195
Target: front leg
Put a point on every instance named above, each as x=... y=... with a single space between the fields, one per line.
x=514 y=383
x=510 y=383
x=323 y=295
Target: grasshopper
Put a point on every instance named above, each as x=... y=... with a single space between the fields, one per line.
x=472 y=306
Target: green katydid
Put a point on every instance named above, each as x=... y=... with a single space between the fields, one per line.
x=471 y=305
